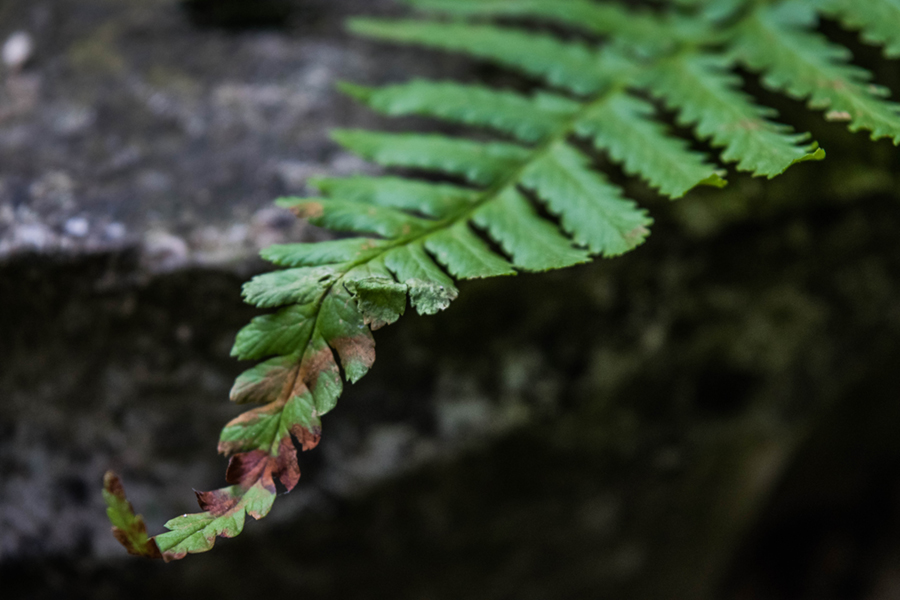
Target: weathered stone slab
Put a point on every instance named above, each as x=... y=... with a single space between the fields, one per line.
x=126 y=125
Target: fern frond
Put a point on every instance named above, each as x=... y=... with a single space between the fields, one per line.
x=714 y=11
x=570 y=65
x=624 y=126
x=128 y=527
x=876 y=19
x=355 y=217
x=527 y=119
x=775 y=41
x=591 y=209
x=430 y=289
x=641 y=29
x=477 y=162
x=532 y=242
x=465 y=255
x=430 y=199
x=322 y=253
x=532 y=200
x=707 y=95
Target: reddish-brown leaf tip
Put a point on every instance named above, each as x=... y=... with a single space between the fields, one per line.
x=287 y=465
x=356 y=352
x=313 y=366
x=128 y=528
x=247 y=468
x=113 y=485
x=217 y=502
x=308 y=439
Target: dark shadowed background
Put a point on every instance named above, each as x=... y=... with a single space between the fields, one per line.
x=712 y=416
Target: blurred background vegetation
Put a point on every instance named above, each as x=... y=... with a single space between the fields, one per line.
x=709 y=417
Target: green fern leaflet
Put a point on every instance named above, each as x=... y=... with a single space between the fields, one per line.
x=529 y=199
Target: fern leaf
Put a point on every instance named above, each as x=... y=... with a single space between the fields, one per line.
x=318 y=372
x=357 y=217
x=279 y=333
x=262 y=451
x=290 y=286
x=706 y=94
x=331 y=252
x=622 y=126
x=715 y=11
x=805 y=65
x=431 y=199
x=430 y=290
x=193 y=533
x=876 y=19
x=639 y=29
x=533 y=243
x=342 y=327
x=379 y=298
x=261 y=442
x=528 y=119
x=127 y=527
x=591 y=209
x=465 y=255
x=479 y=163
x=270 y=424
x=263 y=383
x=569 y=65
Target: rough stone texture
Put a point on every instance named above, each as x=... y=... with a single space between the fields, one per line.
x=155 y=133
x=708 y=417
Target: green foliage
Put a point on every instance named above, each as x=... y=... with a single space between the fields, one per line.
x=807 y=66
x=531 y=198
x=127 y=527
x=876 y=19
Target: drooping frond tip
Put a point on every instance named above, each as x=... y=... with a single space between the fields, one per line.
x=127 y=527
x=525 y=195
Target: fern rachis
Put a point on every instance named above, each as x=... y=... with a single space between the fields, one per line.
x=412 y=239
